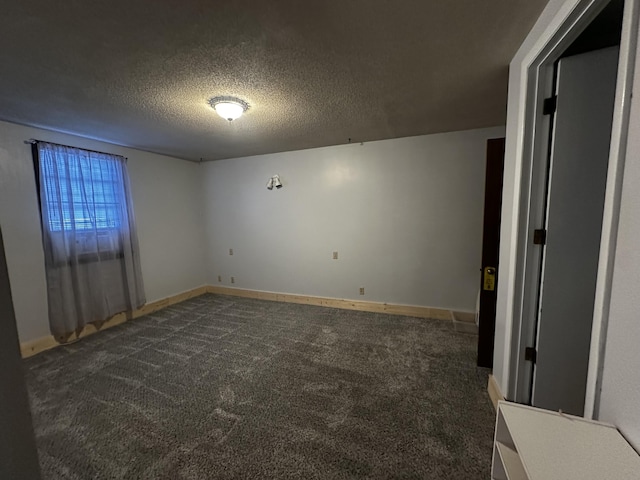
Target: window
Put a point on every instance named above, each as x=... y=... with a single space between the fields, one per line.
x=91 y=253
x=82 y=194
x=82 y=199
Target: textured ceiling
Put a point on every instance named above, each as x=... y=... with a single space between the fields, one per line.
x=315 y=73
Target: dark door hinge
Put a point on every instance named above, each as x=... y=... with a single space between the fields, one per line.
x=539 y=236
x=530 y=354
x=549 y=106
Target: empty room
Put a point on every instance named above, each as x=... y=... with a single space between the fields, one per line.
x=322 y=240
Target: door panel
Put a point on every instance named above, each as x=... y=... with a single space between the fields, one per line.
x=577 y=178
x=490 y=250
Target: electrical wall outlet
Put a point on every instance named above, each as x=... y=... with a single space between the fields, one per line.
x=219 y=278
x=335 y=255
x=233 y=279
x=231 y=251
x=361 y=290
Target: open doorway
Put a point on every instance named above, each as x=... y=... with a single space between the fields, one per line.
x=569 y=238
x=576 y=90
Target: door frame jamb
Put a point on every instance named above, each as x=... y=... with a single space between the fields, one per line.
x=539 y=76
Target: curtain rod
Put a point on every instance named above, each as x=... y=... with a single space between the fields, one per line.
x=33 y=141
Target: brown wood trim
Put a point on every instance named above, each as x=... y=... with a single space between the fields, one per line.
x=38 y=345
x=165 y=302
x=376 y=307
x=33 y=347
x=494 y=391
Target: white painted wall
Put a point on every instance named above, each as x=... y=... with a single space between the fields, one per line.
x=620 y=396
x=405 y=216
x=168 y=207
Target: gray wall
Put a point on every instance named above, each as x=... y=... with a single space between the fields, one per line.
x=404 y=215
x=620 y=397
x=168 y=208
x=18 y=456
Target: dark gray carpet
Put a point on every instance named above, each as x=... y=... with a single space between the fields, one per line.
x=225 y=387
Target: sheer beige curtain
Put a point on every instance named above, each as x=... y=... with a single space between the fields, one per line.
x=90 y=242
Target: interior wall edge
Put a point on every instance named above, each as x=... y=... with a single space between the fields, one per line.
x=495 y=393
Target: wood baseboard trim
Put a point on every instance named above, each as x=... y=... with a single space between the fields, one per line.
x=494 y=391
x=463 y=317
x=33 y=347
x=376 y=307
x=165 y=302
x=38 y=345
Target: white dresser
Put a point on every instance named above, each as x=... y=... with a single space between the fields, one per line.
x=535 y=444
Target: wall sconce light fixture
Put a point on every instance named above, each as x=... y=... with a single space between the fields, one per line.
x=274 y=182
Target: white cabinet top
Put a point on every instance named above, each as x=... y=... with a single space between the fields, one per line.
x=554 y=445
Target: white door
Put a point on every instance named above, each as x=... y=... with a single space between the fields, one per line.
x=575 y=199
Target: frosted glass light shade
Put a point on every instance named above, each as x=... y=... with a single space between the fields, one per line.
x=229 y=108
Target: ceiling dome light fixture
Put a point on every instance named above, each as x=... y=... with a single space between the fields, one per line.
x=229 y=108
